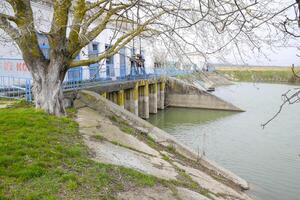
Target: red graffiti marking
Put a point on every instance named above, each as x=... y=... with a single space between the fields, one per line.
x=22 y=67
x=8 y=66
x=16 y=68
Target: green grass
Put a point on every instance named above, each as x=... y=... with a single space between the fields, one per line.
x=5 y=99
x=184 y=76
x=98 y=137
x=9 y=102
x=165 y=157
x=171 y=148
x=113 y=118
x=122 y=125
x=284 y=75
x=151 y=142
x=71 y=112
x=43 y=157
x=126 y=129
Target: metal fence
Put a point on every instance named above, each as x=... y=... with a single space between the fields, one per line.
x=13 y=87
x=79 y=78
x=171 y=71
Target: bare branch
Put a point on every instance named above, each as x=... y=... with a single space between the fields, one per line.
x=288 y=98
x=8 y=17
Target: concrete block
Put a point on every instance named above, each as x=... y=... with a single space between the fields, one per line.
x=161 y=95
x=143 y=100
x=153 y=98
x=121 y=98
x=104 y=94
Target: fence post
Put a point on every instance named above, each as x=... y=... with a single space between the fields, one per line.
x=28 y=90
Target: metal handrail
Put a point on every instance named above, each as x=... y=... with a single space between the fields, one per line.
x=79 y=78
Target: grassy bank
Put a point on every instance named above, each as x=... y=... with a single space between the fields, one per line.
x=273 y=75
x=43 y=157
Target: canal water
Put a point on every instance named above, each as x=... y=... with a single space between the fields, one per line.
x=269 y=159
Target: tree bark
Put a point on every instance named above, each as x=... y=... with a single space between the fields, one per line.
x=47 y=87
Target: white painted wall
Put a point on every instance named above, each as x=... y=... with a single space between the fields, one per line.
x=10 y=55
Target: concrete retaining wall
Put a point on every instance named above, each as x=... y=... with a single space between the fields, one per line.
x=182 y=94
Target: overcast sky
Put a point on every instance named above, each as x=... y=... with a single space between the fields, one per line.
x=280 y=57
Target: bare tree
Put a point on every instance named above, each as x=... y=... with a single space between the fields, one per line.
x=205 y=26
x=73 y=26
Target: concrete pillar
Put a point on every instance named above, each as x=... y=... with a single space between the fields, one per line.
x=140 y=100
x=161 y=96
x=143 y=100
x=120 y=98
x=153 y=98
x=134 y=104
x=131 y=100
x=128 y=98
x=109 y=96
x=104 y=94
x=113 y=96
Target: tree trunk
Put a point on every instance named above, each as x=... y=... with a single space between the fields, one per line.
x=47 y=88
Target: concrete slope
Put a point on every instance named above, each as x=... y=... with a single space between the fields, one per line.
x=206 y=80
x=102 y=105
x=218 y=79
x=182 y=94
x=161 y=193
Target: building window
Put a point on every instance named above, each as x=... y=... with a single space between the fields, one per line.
x=110 y=69
x=95 y=47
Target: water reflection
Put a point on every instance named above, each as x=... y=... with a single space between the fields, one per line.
x=268 y=159
x=171 y=118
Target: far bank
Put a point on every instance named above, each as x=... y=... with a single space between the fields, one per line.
x=261 y=74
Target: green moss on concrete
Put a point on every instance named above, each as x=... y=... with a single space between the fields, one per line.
x=165 y=157
x=98 y=138
x=123 y=125
x=171 y=148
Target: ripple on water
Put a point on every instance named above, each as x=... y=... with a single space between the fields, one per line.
x=267 y=158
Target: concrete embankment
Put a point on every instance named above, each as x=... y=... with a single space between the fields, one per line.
x=182 y=94
x=206 y=80
x=94 y=112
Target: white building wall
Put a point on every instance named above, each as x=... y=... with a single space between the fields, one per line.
x=10 y=55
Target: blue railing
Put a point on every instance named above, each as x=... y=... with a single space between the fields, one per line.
x=79 y=78
x=123 y=72
x=170 y=71
x=12 y=87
